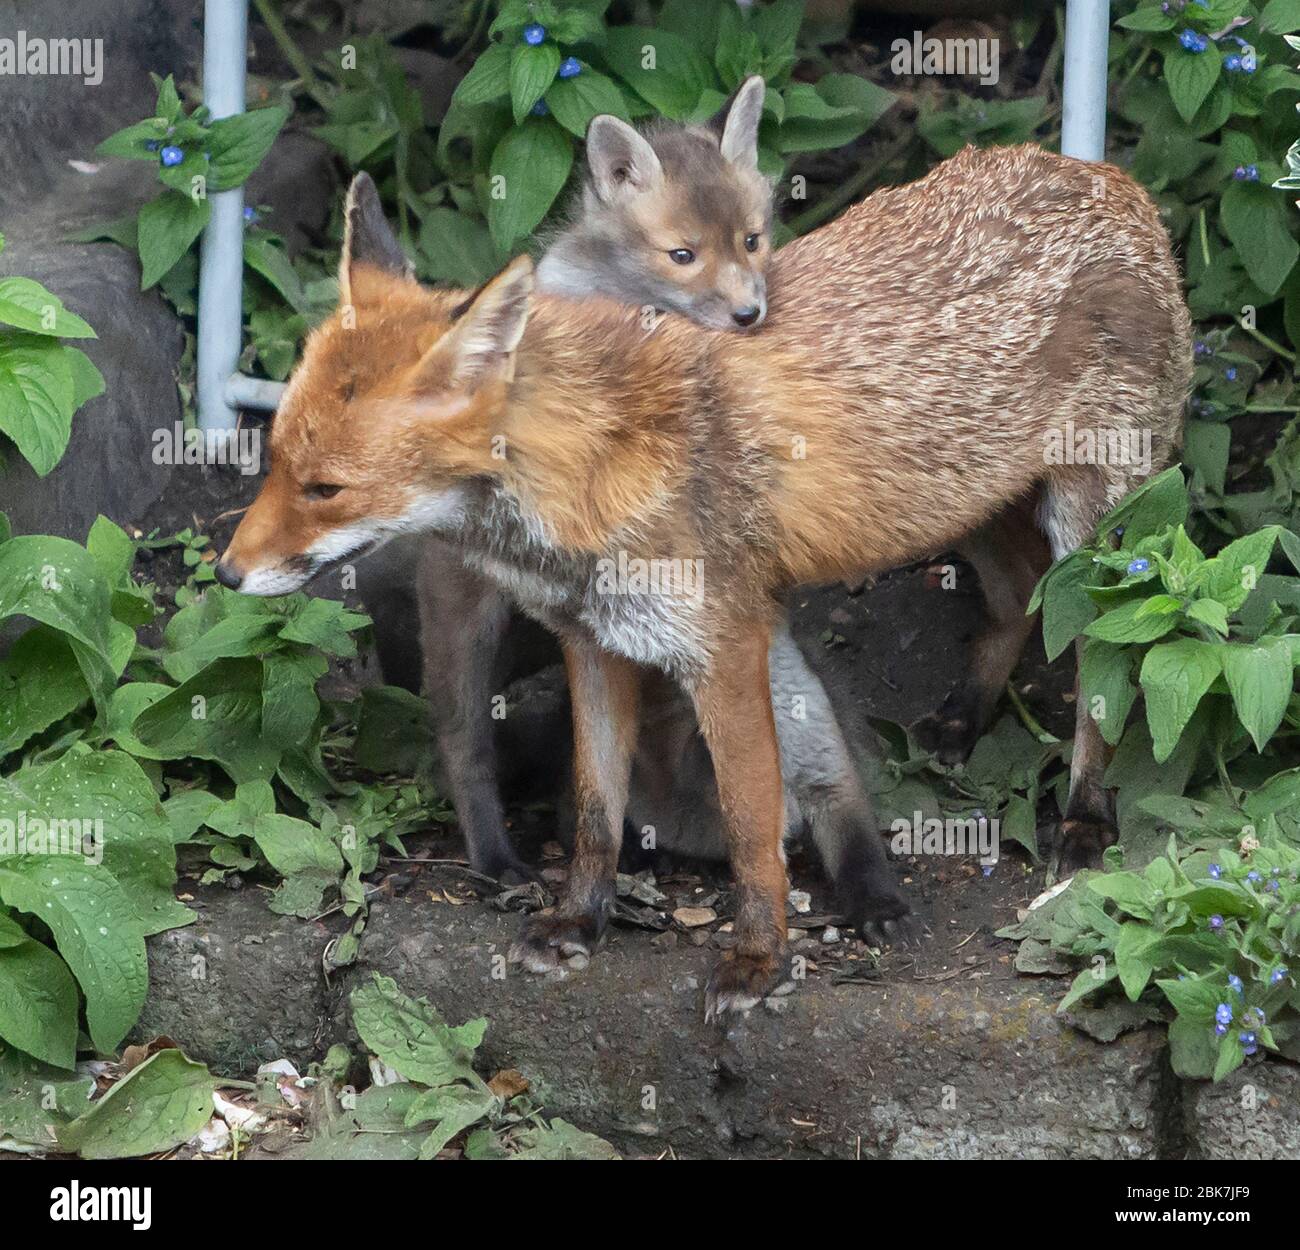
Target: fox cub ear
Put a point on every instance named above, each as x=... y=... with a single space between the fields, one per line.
x=620 y=159
x=367 y=237
x=736 y=125
x=484 y=336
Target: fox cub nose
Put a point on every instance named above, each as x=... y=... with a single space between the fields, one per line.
x=227 y=576
x=746 y=316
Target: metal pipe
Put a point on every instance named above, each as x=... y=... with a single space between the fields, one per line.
x=1083 y=111
x=258 y=394
x=221 y=258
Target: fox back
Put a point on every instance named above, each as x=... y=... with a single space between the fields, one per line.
x=673 y=217
x=925 y=349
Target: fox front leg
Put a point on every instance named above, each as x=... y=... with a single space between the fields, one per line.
x=604 y=690
x=734 y=704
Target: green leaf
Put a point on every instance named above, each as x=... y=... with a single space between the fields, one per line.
x=1128 y=623
x=1193 y=1049
x=37 y=397
x=1152 y=18
x=1254 y=217
x=529 y=167
x=1260 y=678
x=38 y=999
x=29 y=306
x=1156 y=504
x=1067 y=607
x=272 y=262
x=575 y=101
x=112 y=549
x=238 y=144
x=326 y=624
x=456 y=248
x=488 y=78
x=1130 y=950
x=1230 y=576
x=131 y=141
x=94 y=927
x=1174 y=677
x=561 y=1140
x=1209 y=612
x=1190 y=77
x=411 y=1037
x=40 y=683
x=160 y=1104
x=167 y=226
x=532 y=70
x=59 y=584
x=1280 y=16
x=453 y=1108
x=1106 y=686
x=662 y=68
x=36 y=1098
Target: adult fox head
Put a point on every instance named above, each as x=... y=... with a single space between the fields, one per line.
x=384 y=418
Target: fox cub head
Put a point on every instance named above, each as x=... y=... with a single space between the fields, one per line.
x=675 y=217
x=382 y=422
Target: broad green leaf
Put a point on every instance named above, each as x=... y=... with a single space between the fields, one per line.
x=1230 y=576
x=40 y=683
x=36 y=1098
x=112 y=549
x=238 y=144
x=561 y=1140
x=1254 y=218
x=488 y=78
x=575 y=101
x=29 y=306
x=1280 y=16
x=1067 y=608
x=1209 y=612
x=1260 y=678
x=37 y=397
x=411 y=1037
x=38 y=999
x=326 y=624
x=457 y=248
x=532 y=70
x=661 y=67
x=160 y=1104
x=1107 y=687
x=529 y=167
x=95 y=929
x=1174 y=677
x=166 y=228
x=1191 y=76
x=1127 y=623
x=453 y=1108
x=1151 y=18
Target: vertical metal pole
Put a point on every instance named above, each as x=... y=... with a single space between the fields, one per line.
x=221 y=260
x=1083 y=113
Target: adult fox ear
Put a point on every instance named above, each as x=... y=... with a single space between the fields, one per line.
x=367 y=240
x=736 y=125
x=482 y=339
x=620 y=160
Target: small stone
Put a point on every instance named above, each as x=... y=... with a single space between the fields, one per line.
x=830 y=935
x=801 y=901
x=694 y=917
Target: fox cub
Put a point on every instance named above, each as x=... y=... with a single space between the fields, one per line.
x=923 y=352
x=674 y=218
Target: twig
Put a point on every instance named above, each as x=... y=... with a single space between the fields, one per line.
x=1027 y=717
x=445 y=863
x=1260 y=337
x=273 y=22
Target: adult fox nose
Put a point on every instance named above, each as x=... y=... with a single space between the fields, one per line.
x=746 y=316
x=227 y=576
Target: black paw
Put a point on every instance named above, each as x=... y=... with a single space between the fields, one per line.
x=739 y=981
x=1083 y=839
x=549 y=941
x=950 y=733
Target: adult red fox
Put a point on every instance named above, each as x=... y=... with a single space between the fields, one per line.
x=925 y=351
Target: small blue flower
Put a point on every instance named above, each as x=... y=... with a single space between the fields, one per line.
x=250 y=214
x=570 y=67
x=988 y=870
x=1201 y=348
x=1230 y=373
x=1215 y=871
x=1138 y=566
x=1259 y=1014
x=1277 y=976
x=1273 y=885
x=1232 y=63
x=534 y=33
x=1239 y=173
x=152 y=145
x=1247 y=1039
x=171 y=155
x=1192 y=41
x=1216 y=922
x=1223 y=1013
x=539 y=109
x=1253 y=877
x=1220 y=1030
x=1234 y=982
x=1252 y=173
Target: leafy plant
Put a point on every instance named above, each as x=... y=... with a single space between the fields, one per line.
x=1208 y=940
x=43 y=380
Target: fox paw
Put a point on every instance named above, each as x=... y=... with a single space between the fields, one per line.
x=950 y=733
x=739 y=982
x=1083 y=839
x=547 y=942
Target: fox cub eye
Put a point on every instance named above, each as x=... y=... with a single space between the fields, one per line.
x=321 y=490
x=682 y=255
x=751 y=242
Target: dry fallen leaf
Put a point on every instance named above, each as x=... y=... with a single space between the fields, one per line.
x=508 y=1083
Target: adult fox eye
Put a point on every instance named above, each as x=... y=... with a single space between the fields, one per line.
x=321 y=490
x=751 y=242
x=682 y=255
